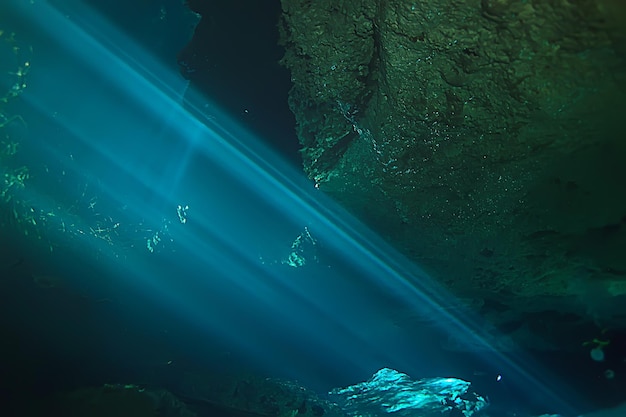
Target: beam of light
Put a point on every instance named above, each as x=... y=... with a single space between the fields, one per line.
x=118 y=123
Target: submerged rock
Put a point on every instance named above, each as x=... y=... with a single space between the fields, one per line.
x=482 y=139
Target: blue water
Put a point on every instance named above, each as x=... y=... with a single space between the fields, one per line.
x=159 y=238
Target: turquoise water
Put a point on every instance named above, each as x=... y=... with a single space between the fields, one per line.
x=148 y=236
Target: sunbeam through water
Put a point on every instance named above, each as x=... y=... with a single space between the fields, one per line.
x=188 y=215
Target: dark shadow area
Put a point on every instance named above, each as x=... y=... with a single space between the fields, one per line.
x=232 y=60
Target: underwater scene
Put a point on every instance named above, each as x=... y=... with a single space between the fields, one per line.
x=312 y=208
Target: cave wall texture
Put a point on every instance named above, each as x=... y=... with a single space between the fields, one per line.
x=483 y=139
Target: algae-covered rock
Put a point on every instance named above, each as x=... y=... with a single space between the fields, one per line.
x=483 y=139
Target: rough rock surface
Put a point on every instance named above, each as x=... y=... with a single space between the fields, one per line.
x=483 y=139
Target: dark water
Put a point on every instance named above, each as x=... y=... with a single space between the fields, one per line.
x=145 y=246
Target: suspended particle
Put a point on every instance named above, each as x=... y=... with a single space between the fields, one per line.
x=182 y=213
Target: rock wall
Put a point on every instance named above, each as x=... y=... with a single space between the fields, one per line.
x=484 y=139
